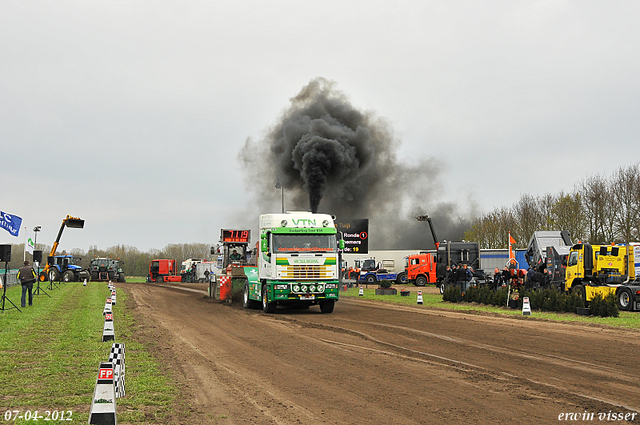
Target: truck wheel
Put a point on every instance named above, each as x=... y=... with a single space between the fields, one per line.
x=54 y=275
x=94 y=275
x=267 y=307
x=326 y=306
x=246 y=301
x=421 y=280
x=624 y=299
x=401 y=278
x=159 y=279
x=442 y=288
x=370 y=279
x=68 y=276
x=121 y=278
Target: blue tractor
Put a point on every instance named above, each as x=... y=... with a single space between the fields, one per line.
x=67 y=268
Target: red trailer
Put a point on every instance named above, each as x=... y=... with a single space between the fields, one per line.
x=163 y=271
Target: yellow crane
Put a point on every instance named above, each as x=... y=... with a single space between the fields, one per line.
x=69 y=221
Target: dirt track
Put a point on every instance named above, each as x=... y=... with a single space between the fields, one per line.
x=376 y=363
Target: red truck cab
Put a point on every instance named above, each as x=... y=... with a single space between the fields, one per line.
x=421 y=268
x=163 y=271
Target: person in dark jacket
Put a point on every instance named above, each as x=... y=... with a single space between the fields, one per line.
x=27 y=277
x=461 y=276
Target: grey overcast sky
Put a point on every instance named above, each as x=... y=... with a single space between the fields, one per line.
x=131 y=115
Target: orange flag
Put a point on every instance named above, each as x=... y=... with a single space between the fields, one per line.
x=511 y=254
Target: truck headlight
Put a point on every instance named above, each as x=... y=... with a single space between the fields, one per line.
x=296 y=288
x=331 y=286
x=312 y=288
x=304 y=288
x=320 y=288
x=282 y=287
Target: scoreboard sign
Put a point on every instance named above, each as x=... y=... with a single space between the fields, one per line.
x=355 y=233
x=239 y=236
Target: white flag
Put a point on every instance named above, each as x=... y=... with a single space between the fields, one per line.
x=29 y=246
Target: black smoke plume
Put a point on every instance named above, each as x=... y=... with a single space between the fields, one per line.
x=331 y=157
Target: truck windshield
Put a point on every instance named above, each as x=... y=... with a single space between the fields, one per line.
x=369 y=265
x=304 y=243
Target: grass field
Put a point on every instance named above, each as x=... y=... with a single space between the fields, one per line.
x=50 y=353
x=626 y=319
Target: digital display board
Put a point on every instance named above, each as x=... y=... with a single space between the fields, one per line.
x=355 y=233
x=241 y=236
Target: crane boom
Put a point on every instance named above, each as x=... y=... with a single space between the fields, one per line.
x=433 y=232
x=73 y=222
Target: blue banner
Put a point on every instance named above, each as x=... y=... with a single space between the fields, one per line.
x=11 y=223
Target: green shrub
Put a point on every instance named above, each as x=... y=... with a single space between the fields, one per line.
x=552 y=300
x=481 y=295
x=604 y=307
x=500 y=297
x=385 y=283
x=471 y=295
x=612 y=305
x=452 y=294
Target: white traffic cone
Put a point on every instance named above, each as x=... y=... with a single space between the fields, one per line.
x=361 y=292
x=420 y=297
x=526 y=307
x=85 y=283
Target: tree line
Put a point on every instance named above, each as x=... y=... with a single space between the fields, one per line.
x=600 y=210
x=135 y=262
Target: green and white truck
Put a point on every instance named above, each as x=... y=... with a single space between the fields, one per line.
x=297 y=263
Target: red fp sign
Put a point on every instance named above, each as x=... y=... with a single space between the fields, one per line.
x=105 y=374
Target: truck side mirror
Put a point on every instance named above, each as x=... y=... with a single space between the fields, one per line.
x=264 y=243
x=341 y=244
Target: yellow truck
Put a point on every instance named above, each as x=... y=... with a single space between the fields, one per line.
x=603 y=269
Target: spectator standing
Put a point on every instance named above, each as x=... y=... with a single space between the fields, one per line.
x=27 y=277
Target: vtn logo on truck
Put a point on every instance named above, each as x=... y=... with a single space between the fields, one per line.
x=303 y=221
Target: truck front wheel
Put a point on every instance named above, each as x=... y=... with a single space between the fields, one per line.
x=401 y=278
x=370 y=279
x=624 y=299
x=267 y=307
x=421 y=281
x=326 y=306
x=159 y=279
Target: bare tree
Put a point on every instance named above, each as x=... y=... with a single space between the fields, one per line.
x=626 y=186
x=568 y=214
x=596 y=197
x=528 y=217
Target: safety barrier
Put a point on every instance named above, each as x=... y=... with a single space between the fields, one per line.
x=103 y=403
x=110 y=383
x=117 y=357
x=108 y=333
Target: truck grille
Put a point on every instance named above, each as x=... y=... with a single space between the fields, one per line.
x=305 y=272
